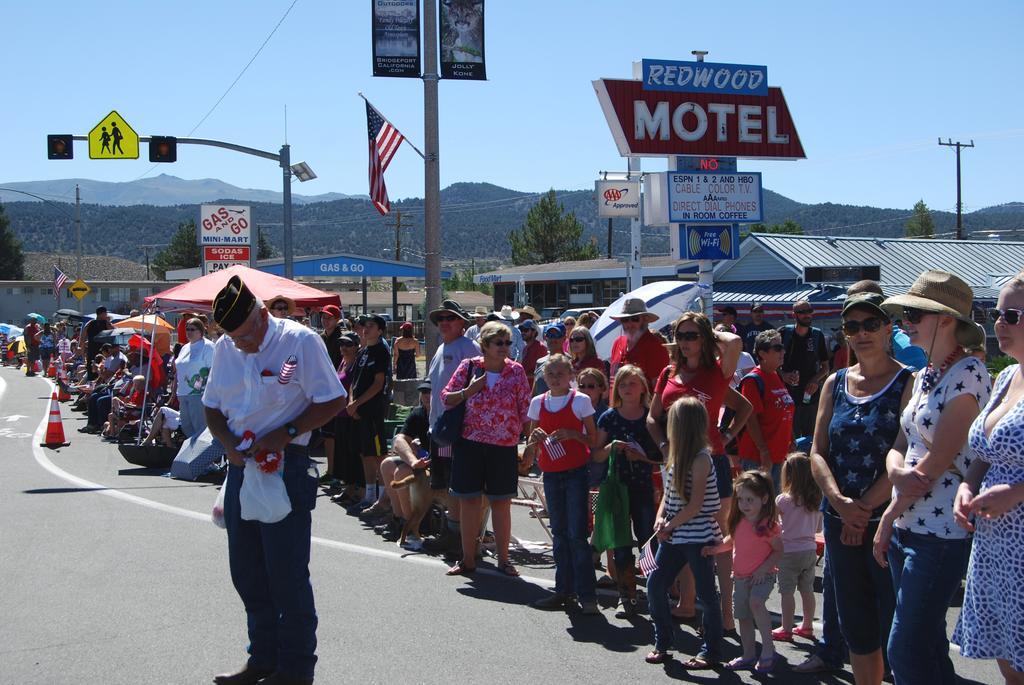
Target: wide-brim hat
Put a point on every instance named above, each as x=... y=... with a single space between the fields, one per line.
x=507 y=313
x=940 y=292
x=281 y=298
x=481 y=310
x=448 y=307
x=634 y=306
x=528 y=311
x=232 y=305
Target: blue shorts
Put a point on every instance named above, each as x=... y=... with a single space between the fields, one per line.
x=723 y=474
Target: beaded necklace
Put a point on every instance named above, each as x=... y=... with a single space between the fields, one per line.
x=930 y=376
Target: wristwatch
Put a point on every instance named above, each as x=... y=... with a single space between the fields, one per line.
x=292 y=430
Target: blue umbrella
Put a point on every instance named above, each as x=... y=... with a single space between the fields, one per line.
x=38 y=317
x=8 y=329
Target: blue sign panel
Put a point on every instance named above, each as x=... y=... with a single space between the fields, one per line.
x=349 y=266
x=705 y=77
x=715 y=241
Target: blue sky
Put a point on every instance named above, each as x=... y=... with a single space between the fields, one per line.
x=871 y=86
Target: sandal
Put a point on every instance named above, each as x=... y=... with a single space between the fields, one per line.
x=741 y=664
x=459 y=570
x=657 y=656
x=767 y=666
x=806 y=633
x=699 y=663
x=508 y=569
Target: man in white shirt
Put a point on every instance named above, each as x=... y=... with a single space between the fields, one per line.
x=271 y=377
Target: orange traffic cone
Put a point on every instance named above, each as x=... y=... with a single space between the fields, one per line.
x=51 y=370
x=55 y=427
x=62 y=385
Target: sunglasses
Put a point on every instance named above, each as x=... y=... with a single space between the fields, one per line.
x=1010 y=316
x=631 y=319
x=191 y=328
x=590 y=386
x=500 y=343
x=446 y=317
x=868 y=325
x=777 y=347
x=914 y=315
x=577 y=338
x=803 y=312
x=688 y=336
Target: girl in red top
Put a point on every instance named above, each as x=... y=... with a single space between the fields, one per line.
x=562 y=432
x=702 y=362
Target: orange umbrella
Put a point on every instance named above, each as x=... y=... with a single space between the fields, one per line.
x=147 y=323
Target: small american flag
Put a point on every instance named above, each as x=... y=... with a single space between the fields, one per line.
x=384 y=142
x=553 y=448
x=59 y=279
x=445 y=451
x=287 y=370
x=647 y=563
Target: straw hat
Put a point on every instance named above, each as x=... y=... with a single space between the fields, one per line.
x=529 y=311
x=281 y=298
x=940 y=292
x=634 y=306
x=481 y=310
x=507 y=313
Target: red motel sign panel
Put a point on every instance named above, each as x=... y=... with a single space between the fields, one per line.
x=646 y=123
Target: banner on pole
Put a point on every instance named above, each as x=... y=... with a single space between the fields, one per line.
x=462 y=40
x=396 y=38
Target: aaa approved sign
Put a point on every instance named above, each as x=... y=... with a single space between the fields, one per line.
x=695 y=197
x=217 y=257
x=79 y=289
x=113 y=138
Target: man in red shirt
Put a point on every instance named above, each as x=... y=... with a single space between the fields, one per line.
x=533 y=349
x=638 y=345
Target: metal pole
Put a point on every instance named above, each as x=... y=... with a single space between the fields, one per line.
x=78 y=232
x=286 y=173
x=398 y=258
x=959 y=204
x=431 y=174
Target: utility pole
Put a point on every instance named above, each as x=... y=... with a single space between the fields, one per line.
x=146 y=249
x=397 y=223
x=609 y=237
x=78 y=232
x=959 y=205
x=431 y=176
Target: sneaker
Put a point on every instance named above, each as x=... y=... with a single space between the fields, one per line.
x=627 y=608
x=553 y=602
x=328 y=480
x=412 y=543
x=590 y=607
x=813 y=664
x=382 y=528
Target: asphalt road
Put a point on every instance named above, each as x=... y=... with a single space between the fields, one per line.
x=115 y=574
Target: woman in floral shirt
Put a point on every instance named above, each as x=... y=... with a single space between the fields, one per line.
x=485 y=458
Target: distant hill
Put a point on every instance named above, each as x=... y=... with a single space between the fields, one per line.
x=161 y=191
x=476 y=219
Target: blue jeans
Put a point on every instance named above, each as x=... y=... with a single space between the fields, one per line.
x=776 y=472
x=270 y=571
x=830 y=647
x=641 y=513
x=863 y=590
x=926 y=572
x=568 y=500
x=671 y=559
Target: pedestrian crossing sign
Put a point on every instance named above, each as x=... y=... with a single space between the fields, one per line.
x=113 y=138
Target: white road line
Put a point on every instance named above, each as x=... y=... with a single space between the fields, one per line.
x=44 y=461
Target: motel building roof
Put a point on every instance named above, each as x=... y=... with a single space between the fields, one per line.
x=593 y=269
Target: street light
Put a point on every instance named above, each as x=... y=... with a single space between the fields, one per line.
x=302 y=172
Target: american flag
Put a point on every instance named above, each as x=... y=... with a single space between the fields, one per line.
x=59 y=279
x=287 y=370
x=647 y=563
x=384 y=142
x=445 y=451
x=554 y=449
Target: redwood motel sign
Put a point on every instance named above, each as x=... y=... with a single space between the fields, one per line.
x=699 y=109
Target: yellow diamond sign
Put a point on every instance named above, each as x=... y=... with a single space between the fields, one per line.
x=79 y=289
x=113 y=138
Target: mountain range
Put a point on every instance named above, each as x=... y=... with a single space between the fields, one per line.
x=476 y=219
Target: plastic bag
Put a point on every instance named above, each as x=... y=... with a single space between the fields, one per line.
x=263 y=496
x=611 y=514
x=217 y=516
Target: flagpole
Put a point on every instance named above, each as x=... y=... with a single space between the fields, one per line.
x=407 y=141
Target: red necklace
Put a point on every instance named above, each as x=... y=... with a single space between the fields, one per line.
x=931 y=375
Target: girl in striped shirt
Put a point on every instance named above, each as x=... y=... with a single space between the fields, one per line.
x=684 y=526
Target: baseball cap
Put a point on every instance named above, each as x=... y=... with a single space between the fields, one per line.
x=381 y=322
x=528 y=324
x=424 y=386
x=332 y=310
x=348 y=339
x=554 y=330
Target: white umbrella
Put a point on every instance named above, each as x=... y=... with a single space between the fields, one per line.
x=667 y=299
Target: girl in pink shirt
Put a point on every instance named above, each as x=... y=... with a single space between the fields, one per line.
x=798 y=506
x=756 y=543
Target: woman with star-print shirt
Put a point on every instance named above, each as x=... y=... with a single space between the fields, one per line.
x=918 y=538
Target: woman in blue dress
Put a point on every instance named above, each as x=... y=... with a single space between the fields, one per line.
x=990 y=502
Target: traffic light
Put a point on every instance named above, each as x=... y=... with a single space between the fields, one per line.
x=60 y=146
x=163 y=149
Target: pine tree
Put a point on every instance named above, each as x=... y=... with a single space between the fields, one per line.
x=788 y=226
x=12 y=259
x=550 y=235
x=920 y=225
x=181 y=253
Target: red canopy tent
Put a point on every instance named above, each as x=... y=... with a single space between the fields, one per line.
x=199 y=294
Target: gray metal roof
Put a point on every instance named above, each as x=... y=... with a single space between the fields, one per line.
x=775 y=292
x=901 y=260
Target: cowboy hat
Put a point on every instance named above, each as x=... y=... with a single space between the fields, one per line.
x=507 y=313
x=939 y=292
x=528 y=311
x=481 y=310
x=269 y=302
x=448 y=307
x=634 y=306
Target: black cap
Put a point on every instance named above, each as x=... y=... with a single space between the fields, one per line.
x=349 y=339
x=233 y=304
x=424 y=386
x=379 y=320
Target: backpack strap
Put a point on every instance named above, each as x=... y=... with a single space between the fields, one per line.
x=756 y=377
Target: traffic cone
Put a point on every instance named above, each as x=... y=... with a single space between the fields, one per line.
x=62 y=384
x=55 y=427
x=51 y=370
